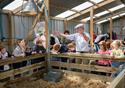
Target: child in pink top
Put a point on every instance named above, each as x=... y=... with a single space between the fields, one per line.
x=103 y=50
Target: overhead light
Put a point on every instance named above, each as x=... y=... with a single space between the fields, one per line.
x=15 y=4
x=65 y=14
x=31 y=8
x=117 y=7
x=101 y=21
x=86 y=19
x=101 y=13
x=112 y=9
x=122 y=14
x=96 y=1
x=83 y=6
x=114 y=17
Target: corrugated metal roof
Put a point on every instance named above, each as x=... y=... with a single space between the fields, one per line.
x=59 y=6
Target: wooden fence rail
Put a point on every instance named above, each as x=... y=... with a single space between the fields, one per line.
x=118 y=81
x=67 y=66
x=83 y=57
x=89 y=56
x=20 y=59
x=29 y=67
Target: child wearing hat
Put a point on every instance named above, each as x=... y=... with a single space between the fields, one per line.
x=117 y=52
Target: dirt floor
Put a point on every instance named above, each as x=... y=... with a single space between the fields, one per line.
x=68 y=81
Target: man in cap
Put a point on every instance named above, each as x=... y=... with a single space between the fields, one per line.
x=80 y=37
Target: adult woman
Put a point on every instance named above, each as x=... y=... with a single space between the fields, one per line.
x=18 y=52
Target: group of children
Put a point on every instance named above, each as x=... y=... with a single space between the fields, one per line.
x=114 y=49
x=22 y=49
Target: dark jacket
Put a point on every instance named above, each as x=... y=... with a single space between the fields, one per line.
x=38 y=48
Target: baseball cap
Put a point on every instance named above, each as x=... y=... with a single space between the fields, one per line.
x=79 y=26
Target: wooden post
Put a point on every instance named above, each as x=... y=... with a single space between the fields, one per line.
x=65 y=25
x=91 y=26
x=121 y=27
x=47 y=32
x=1 y=30
x=10 y=35
x=110 y=30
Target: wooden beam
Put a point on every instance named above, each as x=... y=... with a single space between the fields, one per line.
x=87 y=10
x=21 y=70
x=10 y=35
x=65 y=25
x=12 y=13
x=91 y=26
x=29 y=36
x=57 y=18
x=121 y=27
x=88 y=56
x=102 y=7
x=20 y=59
x=119 y=81
x=110 y=28
x=94 y=68
x=108 y=16
x=47 y=31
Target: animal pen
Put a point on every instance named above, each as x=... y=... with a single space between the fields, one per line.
x=39 y=68
x=78 y=74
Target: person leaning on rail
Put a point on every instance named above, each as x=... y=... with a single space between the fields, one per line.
x=81 y=39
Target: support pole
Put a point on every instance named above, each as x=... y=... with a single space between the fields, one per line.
x=10 y=35
x=65 y=25
x=121 y=27
x=91 y=26
x=110 y=26
x=47 y=25
x=1 y=30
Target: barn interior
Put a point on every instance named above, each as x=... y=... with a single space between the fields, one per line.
x=29 y=20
